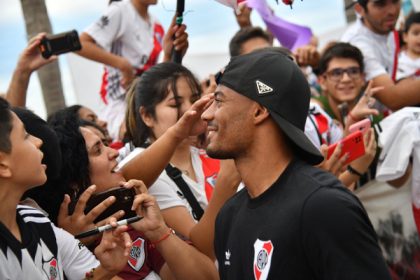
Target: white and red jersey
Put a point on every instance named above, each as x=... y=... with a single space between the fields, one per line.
x=122 y=31
x=44 y=252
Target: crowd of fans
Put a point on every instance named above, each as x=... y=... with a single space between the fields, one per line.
x=206 y=164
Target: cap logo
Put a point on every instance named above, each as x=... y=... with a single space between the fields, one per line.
x=263 y=88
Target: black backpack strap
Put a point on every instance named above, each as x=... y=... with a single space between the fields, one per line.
x=176 y=175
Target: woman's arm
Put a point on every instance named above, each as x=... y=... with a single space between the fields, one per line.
x=184 y=261
x=148 y=165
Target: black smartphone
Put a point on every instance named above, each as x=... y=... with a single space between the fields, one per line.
x=124 y=201
x=60 y=43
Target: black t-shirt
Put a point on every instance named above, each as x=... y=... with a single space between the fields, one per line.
x=305 y=226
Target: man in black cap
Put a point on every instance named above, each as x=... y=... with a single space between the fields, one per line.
x=373 y=33
x=292 y=220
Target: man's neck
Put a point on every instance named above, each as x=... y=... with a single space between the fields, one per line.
x=263 y=164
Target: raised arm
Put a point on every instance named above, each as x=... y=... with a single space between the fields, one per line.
x=148 y=165
x=397 y=95
x=94 y=52
x=29 y=61
x=184 y=261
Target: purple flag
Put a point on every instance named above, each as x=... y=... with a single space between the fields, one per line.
x=290 y=35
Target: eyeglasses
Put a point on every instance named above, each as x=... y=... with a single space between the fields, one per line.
x=336 y=74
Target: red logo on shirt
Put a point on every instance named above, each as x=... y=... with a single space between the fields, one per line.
x=263 y=252
x=137 y=254
x=53 y=269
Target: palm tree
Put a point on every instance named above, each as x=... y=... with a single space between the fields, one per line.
x=36 y=20
x=350 y=14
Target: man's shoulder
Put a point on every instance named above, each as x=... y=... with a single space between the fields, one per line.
x=307 y=175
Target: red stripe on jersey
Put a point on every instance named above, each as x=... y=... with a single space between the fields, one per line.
x=211 y=169
x=104 y=84
x=158 y=34
x=322 y=123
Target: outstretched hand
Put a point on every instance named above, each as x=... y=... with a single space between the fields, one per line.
x=191 y=124
x=363 y=108
x=78 y=221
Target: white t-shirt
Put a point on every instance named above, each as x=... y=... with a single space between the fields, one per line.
x=165 y=190
x=400 y=140
x=378 y=50
x=407 y=66
x=46 y=252
x=122 y=31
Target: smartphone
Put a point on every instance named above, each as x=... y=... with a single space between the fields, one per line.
x=60 y=43
x=124 y=201
x=361 y=126
x=352 y=144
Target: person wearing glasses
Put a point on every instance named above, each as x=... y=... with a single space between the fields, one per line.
x=342 y=80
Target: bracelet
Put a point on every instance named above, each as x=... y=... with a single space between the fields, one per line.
x=89 y=275
x=353 y=171
x=352 y=117
x=165 y=236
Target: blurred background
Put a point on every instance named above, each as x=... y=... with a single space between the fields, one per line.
x=210 y=26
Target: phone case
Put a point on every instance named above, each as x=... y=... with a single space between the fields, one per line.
x=60 y=43
x=361 y=126
x=352 y=144
x=124 y=201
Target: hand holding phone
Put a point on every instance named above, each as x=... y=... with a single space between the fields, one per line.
x=351 y=144
x=124 y=201
x=60 y=43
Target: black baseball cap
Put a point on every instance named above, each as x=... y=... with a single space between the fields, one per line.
x=275 y=81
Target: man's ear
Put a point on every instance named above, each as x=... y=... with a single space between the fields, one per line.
x=260 y=113
x=359 y=9
x=146 y=117
x=5 y=171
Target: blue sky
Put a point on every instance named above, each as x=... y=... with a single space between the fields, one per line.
x=210 y=27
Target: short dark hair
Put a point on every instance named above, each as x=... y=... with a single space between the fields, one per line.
x=5 y=126
x=340 y=50
x=413 y=18
x=69 y=111
x=243 y=35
